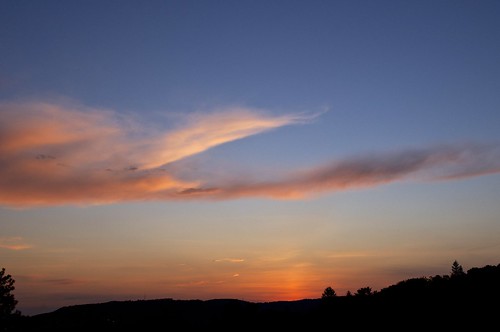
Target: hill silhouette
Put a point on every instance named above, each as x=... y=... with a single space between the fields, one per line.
x=461 y=300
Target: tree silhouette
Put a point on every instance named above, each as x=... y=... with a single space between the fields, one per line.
x=7 y=301
x=457 y=270
x=328 y=293
x=364 y=291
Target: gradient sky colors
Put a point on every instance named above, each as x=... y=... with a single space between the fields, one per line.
x=260 y=150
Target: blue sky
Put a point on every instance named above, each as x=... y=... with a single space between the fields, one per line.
x=324 y=143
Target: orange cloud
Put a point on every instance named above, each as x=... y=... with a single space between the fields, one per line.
x=55 y=154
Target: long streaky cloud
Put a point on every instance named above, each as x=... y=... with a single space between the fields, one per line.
x=52 y=154
x=204 y=131
x=431 y=164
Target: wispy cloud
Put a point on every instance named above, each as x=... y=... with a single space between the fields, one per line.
x=204 y=131
x=53 y=154
x=229 y=260
x=62 y=281
x=14 y=243
x=428 y=164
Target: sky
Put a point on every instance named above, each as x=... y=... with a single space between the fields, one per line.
x=258 y=150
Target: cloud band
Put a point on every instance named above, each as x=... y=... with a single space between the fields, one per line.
x=52 y=154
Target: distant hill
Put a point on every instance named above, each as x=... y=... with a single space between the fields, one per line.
x=466 y=300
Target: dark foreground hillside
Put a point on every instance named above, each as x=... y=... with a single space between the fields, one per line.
x=466 y=300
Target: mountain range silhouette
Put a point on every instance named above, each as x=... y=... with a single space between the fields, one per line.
x=460 y=300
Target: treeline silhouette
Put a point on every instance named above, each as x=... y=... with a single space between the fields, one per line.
x=459 y=300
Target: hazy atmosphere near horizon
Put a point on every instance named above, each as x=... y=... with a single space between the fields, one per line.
x=257 y=150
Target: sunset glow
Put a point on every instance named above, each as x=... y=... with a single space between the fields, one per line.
x=253 y=150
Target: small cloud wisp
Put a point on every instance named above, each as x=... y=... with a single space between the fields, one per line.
x=14 y=243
